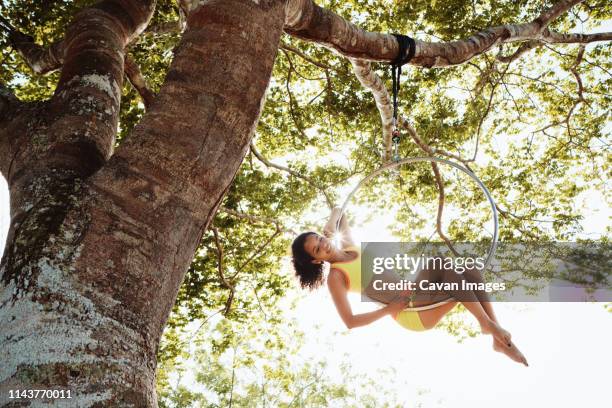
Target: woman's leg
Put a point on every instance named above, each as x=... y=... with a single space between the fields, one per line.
x=468 y=298
x=431 y=317
x=474 y=275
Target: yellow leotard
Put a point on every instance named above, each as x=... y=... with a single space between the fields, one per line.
x=352 y=272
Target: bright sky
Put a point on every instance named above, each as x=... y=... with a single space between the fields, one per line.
x=566 y=344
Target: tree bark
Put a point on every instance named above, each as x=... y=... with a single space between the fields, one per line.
x=100 y=242
x=310 y=22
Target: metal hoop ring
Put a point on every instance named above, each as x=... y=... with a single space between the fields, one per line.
x=443 y=161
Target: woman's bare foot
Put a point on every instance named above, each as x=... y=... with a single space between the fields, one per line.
x=512 y=352
x=500 y=334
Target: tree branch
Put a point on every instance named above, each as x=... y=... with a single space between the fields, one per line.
x=574 y=38
x=566 y=120
x=522 y=49
x=316 y=185
x=371 y=81
x=41 y=60
x=305 y=57
x=574 y=71
x=225 y=282
x=439 y=181
x=304 y=19
x=256 y=219
x=291 y=69
x=78 y=138
x=256 y=253
x=93 y=67
x=134 y=75
x=441 y=199
x=544 y=19
x=45 y=60
x=432 y=151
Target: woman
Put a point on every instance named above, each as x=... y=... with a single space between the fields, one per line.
x=312 y=250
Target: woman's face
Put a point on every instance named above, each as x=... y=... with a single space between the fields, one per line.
x=319 y=247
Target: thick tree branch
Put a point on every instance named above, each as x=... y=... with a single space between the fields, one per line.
x=45 y=60
x=574 y=38
x=370 y=80
x=166 y=176
x=306 y=20
x=373 y=82
x=544 y=19
x=40 y=59
x=76 y=129
x=93 y=66
x=294 y=173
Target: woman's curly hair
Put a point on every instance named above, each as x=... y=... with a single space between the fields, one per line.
x=310 y=274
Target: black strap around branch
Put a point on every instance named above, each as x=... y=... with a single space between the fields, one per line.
x=407 y=48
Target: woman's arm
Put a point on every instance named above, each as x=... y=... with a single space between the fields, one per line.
x=345 y=233
x=338 y=223
x=337 y=288
x=332 y=224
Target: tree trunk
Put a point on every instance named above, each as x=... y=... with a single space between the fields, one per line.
x=100 y=242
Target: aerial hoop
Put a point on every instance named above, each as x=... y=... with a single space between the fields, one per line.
x=408 y=160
